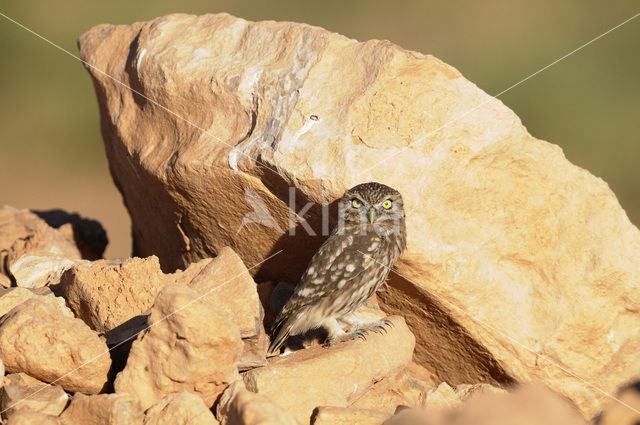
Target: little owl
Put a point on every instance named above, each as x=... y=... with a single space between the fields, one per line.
x=348 y=268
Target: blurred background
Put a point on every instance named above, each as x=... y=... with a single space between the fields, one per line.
x=51 y=152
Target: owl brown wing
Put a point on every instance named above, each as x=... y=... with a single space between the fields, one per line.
x=338 y=261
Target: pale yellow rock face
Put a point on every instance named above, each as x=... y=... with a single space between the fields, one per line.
x=180 y=409
x=317 y=376
x=518 y=257
x=103 y=409
x=37 y=339
x=238 y=406
x=189 y=346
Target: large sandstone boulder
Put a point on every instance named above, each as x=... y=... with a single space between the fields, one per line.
x=38 y=339
x=188 y=346
x=504 y=234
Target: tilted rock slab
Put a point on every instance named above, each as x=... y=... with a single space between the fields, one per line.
x=180 y=409
x=37 y=339
x=305 y=379
x=189 y=346
x=502 y=230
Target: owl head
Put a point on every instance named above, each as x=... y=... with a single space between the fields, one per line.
x=372 y=207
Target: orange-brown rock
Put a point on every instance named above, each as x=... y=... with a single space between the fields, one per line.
x=330 y=415
x=180 y=409
x=502 y=230
x=189 y=346
x=11 y=297
x=37 y=339
x=40 y=397
x=227 y=285
x=238 y=406
x=29 y=416
x=334 y=376
x=402 y=389
x=105 y=294
x=35 y=247
x=103 y=409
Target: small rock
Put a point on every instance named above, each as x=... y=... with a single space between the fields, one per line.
x=21 y=379
x=89 y=235
x=304 y=379
x=45 y=233
x=36 y=271
x=39 y=340
x=227 y=285
x=443 y=397
x=241 y=407
x=615 y=413
x=189 y=346
x=403 y=389
x=104 y=409
x=180 y=409
x=48 y=399
x=11 y=297
x=230 y=289
x=29 y=416
x=330 y=415
x=5 y=282
x=105 y=294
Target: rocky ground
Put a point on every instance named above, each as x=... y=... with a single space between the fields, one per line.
x=120 y=342
x=516 y=302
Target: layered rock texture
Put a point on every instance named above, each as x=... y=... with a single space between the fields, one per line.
x=520 y=266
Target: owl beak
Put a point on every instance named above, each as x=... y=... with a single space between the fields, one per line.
x=371 y=215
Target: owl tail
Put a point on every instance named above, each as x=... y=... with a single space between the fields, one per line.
x=279 y=334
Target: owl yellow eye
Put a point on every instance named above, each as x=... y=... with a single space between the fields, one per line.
x=356 y=203
x=386 y=204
